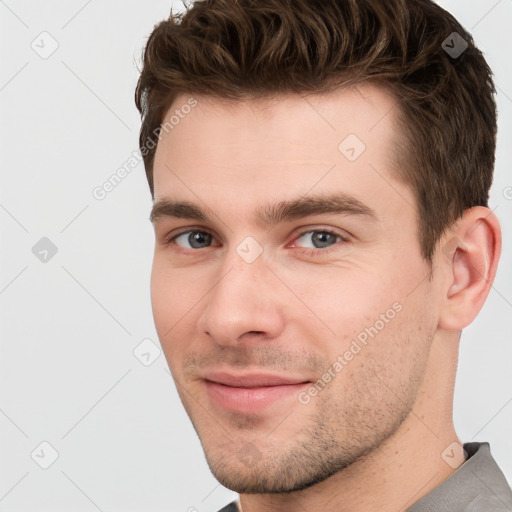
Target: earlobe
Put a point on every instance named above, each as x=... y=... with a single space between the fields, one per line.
x=470 y=253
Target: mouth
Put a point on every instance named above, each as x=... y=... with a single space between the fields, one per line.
x=251 y=393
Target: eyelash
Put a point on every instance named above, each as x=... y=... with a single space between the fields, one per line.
x=307 y=251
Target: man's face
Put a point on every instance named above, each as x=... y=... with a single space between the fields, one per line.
x=236 y=298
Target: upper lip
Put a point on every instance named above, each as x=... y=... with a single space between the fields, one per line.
x=248 y=380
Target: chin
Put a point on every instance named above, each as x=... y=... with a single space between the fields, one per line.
x=257 y=476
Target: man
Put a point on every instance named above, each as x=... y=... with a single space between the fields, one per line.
x=320 y=172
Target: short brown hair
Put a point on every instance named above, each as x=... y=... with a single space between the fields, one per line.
x=239 y=49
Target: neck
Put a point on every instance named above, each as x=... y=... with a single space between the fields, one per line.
x=404 y=468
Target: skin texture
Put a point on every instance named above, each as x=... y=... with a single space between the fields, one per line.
x=374 y=436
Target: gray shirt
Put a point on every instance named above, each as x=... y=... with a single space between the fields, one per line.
x=478 y=485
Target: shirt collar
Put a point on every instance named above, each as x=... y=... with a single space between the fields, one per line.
x=478 y=484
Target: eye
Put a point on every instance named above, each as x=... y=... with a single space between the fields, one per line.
x=196 y=239
x=320 y=239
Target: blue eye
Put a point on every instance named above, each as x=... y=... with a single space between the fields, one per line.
x=322 y=237
x=194 y=238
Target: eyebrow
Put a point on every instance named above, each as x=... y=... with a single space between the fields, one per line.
x=338 y=204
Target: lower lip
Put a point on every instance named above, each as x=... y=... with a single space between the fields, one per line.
x=250 y=400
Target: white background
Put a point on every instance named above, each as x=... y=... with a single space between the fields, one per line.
x=68 y=375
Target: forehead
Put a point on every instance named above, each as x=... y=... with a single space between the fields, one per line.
x=360 y=108
x=238 y=151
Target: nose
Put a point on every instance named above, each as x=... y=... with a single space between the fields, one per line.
x=244 y=303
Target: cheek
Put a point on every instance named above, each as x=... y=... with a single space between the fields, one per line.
x=171 y=305
x=396 y=338
x=174 y=292
x=161 y=297
x=344 y=298
x=381 y=304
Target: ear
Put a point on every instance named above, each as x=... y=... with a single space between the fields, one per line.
x=468 y=254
